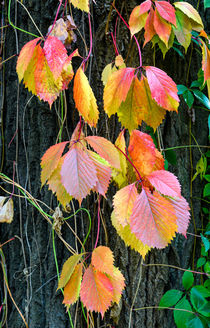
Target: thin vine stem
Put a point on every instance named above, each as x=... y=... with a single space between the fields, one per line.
x=56 y=16
x=18 y=28
x=175 y=267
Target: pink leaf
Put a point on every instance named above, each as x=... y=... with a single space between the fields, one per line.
x=165 y=182
x=166 y=10
x=182 y=212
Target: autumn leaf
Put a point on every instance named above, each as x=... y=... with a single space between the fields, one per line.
x=55 y=184
x=103 y=260
x=138 y=16
x=165 y=182
x=149 y=27
x=118 y=283
x=6 y=210
x=105 y=149
x=205 y=61
x=68 y=269
x=166 y=11
x=119 y=176
x=153 y=219
x=84 y=98
x=50 y=160
x=96 y=291
x=162 y=27
x=72 y=288
x=78 y=173
x=117 y=88
x=123 y=203
x=163 y=88
x=103 y=172
x=81 y=4
x=183 y=29
x=128 y=237
x=191 y=13
x=181 y=208
x=110 y=68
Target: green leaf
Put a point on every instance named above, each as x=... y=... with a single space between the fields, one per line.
x=207 y=154
x=196 y=84
x=181 y=89
x=181 y=317
x=207 y=177
x=202 y=290
x=171 y=156
x=194 y=323
x=206 y=190
x=203 y=99
x=209 y=123
x=200 y=167
x=206 y=4
x=207 y=284
x=170 y=298
x=187 y=280
x=205 y=309
x=201 y=261
x=188 y=98
x=197 y=299
x=205 y=241
x=203 y=252
x=207 y=267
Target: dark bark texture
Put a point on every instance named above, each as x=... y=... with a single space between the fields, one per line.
x=29 y=128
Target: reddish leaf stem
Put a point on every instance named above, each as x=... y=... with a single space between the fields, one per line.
x=98 y=229
x=115 y=45
x=64 y=8
x=138 y=46
x=7 y=242
x=56 y=16
x=126 y=156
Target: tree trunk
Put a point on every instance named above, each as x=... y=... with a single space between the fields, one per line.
x=29 y=128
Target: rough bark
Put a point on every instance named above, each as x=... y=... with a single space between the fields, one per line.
x=30 y=128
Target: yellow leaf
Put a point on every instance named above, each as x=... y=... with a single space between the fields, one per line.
x=68 y=269
x=81 y=4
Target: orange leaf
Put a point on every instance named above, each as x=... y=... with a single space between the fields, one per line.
x=166 y=11
x=153 y=219
x=84 y=98
x=117 y=88
x=103 y=172
x=68 y=269
x=119 y=176
x=55 y=184
x=142 y=152
x=105 y=149
x=205 y=61
x=123 y=203
x=103 y=260
x=138 y=16
x=128 y=237
x=50 y=160
x=25 y=57
x=72 y=288
x=162 y=28
x=96 y=291
x=165 y=182
x=118 y=283
x=149 y=27
x=78 y=173
x=67 y=73
x=163 y=88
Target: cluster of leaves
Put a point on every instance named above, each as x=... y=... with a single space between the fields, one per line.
x=148 y=208
x=99 y=287
x=191 y=306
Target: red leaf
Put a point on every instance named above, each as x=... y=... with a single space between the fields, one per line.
x=96 y=291
x=182 y=212
x=166 y=10
x=165 y=182
x=105 y=149
x=206 y=61
x=162 y=28
x=103 y=260
x=78 y=173
x=153 y=219
x=50 y=160
x=149 y=27
x=56 y=55
x=163 y=88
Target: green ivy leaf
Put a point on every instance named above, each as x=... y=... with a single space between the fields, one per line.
x=194 y=323
x=207 y=284
x=207 y=267
x=206 y=190
x=181 y=89
x=181 y=317
x=201 y=261
x=171 y=156
x=188 y=98
x=207 y=177
x=187 y=280
x=203 y=99
x=170 y=298
x=205 y=241
x=197 y=299
x=206 y=4
x=196 y=84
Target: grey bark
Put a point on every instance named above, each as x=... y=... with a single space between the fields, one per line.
x=29 y=258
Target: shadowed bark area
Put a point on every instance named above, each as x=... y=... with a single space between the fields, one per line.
x=29 y=128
